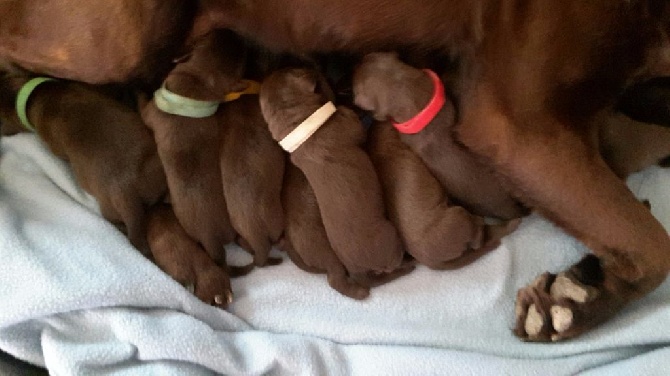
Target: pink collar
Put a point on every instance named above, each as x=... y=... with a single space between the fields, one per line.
x=423 y=118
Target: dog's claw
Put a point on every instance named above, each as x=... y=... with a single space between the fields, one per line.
x=534 y=321
x=190 y=287
x=564 y=287
x=561 y=318
x=223 y=300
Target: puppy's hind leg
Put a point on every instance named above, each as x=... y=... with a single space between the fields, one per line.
x=340 y=281
x=181 y=257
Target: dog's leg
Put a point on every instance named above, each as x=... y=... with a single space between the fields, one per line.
x=181 y=257
x=560 y=173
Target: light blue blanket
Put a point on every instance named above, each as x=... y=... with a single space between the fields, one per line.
x=76 y=298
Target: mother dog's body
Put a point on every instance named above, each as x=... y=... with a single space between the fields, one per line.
x=535 y=78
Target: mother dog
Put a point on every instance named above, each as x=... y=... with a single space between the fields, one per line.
x=536 y=75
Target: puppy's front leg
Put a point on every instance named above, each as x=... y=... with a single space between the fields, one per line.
x=559 y=172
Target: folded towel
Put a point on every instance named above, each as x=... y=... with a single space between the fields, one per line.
x=76 y=298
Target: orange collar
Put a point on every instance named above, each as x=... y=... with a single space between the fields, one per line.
x=253 y=87
x=423 y=118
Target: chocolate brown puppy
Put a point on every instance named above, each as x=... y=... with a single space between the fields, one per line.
x=189 y=139
x=393 y=90
x=112 y=153
x=435 y=232
x=342 y=176
x=305 y=239
x=252 y=167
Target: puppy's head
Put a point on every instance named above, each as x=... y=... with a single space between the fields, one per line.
x=288 y=96
x=290 y=85
x=385 y=85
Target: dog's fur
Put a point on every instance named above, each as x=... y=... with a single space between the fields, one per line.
x=189 y=147
x=535 y=76
x=393 y=90
x=396 y=91
x=435 y=232
x=341 y=174
x=181 y=257
x=252 y=166
x=96 y=41
x=112 y=153
x=305 y=239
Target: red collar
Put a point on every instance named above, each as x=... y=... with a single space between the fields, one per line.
x=423 y=118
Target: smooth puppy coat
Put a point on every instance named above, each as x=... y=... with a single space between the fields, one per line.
x=342 y=176
x=396 y=91
x=305 y=239
x=181 y=257
x=112 y=153
x=535 y=78
x=435 y=232
x=189 y=147
x=252 y=168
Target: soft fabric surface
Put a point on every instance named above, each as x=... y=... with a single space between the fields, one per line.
x=77 y=299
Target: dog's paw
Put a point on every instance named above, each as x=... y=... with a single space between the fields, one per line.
x=212 y=286
x=555 y=307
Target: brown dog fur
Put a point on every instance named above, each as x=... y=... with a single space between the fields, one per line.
x=189 y=147
x=535 y=77
x=339 y=171
x=182 y=258
x=396 y=91
x=111 y=152
x=435 y=232
x=252 y=166
x=305 y=239
x=96 y=41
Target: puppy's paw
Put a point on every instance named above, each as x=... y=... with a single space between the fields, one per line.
x=212 y=286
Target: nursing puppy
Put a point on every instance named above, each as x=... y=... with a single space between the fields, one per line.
x=342 y=176
x=189 y=139
x=399 y=92
x=305 y=239
x=396 y=91
x=112 y=153
x=435 y=232
x=252 y=168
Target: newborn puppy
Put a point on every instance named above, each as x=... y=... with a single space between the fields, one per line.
x=340 y=172
x=305 y=239
x=435 y=232
x=188 y=137
x=112 y=153
x=252 y=167
x=181 y=257
x=394 y=90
